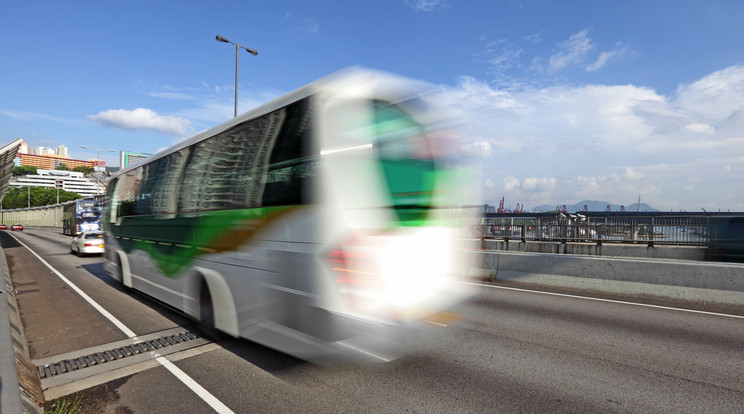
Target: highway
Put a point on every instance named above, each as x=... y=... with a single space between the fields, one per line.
x=513 y=350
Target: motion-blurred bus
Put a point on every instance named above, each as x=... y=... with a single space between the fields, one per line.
x=320 y=224
x=81 y=215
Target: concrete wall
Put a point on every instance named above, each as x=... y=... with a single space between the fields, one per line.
x=49 y=216
x=718 y=283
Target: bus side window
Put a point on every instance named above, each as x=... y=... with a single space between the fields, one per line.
x=286 y=179
x=113 y=201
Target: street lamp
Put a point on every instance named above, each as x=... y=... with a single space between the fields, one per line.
x=237 y=49
x=98 y=158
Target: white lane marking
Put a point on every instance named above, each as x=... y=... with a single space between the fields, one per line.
x=195 y=387
x=128 y=332
x=205 y=395
x=363 y=351
x=610 y=301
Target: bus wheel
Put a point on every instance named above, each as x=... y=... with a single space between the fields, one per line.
x=120 y=275
x=206 y=314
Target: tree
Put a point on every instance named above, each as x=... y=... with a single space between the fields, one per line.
x=25 y=170
x=83 y=169
x=18 y=197
x=62 y=167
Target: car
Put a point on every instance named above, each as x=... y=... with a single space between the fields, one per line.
x=3 y=227
x=16 y=227
x=87 y=242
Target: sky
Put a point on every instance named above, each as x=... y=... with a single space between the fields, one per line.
x=563 y=100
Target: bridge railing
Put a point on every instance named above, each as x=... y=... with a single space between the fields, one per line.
x=694 y=229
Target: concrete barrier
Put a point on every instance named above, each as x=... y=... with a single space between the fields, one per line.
x=707 y=282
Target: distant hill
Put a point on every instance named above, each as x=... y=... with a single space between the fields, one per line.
x=593 y=205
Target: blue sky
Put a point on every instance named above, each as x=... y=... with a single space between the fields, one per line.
x=565 y=100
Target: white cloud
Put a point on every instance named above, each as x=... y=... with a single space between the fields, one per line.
x=214 y=104
x=425 y=5
x=633 y=174
x=500 y=54
x=310 y=26
x=718 y=95
x=607 y=56
x=538 y=184
x=511 y=183
x=505 y=58
x=181 y=96
x=700 y=128
x=480 y=149
x=573 y=50
x=33 y=116
x=534 y=38
x=611 y=143
x=144 y=119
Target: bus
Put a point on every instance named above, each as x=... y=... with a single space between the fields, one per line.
x=321 y=224
x=81 y=215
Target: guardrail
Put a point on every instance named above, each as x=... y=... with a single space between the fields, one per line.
x=693 y=229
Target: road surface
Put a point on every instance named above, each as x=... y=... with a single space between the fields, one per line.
x=512 y=351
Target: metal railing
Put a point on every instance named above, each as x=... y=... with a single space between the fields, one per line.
x=694 y=229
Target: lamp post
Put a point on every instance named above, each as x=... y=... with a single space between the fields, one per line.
x=98 y=158
x=237 y=49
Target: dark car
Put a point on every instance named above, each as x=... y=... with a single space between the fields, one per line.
x=3 y=227
x=16 y=227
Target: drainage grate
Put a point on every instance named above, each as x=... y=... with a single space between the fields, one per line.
x=98 y=358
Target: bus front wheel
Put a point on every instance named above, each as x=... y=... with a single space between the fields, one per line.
x=206 y=314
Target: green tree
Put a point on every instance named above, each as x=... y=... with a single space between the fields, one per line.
x=18 y=197
x=83 y=169
x=25 y=170
x=62 y=167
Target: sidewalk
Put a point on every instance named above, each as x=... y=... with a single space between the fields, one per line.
x=12 y=342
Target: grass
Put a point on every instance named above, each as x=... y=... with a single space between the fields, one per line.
x=61 y=406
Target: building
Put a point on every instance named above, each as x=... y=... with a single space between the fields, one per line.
x=98 y=165
x=44 y=151
x=51 y=162
x=61 y=151
x=127 y=158
x=71 y=181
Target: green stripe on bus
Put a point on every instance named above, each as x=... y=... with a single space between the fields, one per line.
x=173 y=243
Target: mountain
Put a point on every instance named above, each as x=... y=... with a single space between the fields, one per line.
x=593 y=205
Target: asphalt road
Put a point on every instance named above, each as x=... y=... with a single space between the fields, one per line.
x=512 y=351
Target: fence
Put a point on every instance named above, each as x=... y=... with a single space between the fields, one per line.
x=695 y=229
